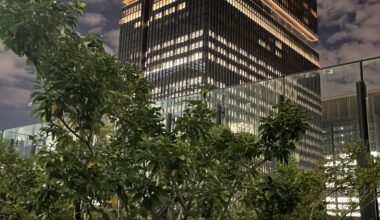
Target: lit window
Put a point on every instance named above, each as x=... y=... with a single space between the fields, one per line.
x=305 y=5
x=314 y=13
x=306 y=20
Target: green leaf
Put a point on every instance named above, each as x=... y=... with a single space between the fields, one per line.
x=82 y=5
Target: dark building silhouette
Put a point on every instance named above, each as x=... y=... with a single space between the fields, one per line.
x=184 y=44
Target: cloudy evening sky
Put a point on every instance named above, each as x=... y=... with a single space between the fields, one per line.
x=349 y=30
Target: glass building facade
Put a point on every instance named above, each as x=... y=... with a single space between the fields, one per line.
x=183 y=45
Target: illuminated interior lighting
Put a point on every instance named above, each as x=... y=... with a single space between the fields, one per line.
x=130 y=17
x=128 y=2
x=161 y=3
x=290 y=20
x=268 y=26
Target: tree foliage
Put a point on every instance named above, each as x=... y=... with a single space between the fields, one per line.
x=288 y=193
x=17 y=179
x=110 y=156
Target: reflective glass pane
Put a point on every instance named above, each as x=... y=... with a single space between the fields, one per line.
x=371 y=75
x=339 y=106
x=245 y=105
x=304 y=90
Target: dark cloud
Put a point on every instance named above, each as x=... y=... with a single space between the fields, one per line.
x=92 y=19
x=96 y=1
x=15 y=87
x=112 y=39
x=350 y=30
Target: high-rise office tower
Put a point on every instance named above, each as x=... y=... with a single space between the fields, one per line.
x=185 y=44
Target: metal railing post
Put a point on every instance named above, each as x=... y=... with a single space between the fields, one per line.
x=219 y=114
x=168 y=123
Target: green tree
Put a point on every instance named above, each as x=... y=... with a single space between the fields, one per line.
x=79 y=88
x=110 y=155
x=287 y=192
x=201 y=170
x=17 y=178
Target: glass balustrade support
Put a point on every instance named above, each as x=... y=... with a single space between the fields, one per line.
x=168 y=124
x=219 y=114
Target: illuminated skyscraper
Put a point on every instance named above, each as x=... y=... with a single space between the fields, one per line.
x=185 y=44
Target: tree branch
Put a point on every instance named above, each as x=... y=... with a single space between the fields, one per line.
x=101 y=211
x=75 y=134
x=259 y=164
x=232 y=193
x=178 y=192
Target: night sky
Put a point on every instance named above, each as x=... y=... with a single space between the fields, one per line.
x=349 y=30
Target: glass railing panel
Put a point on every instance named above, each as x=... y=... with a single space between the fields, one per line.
x=304 y=90
x=339 y=121
x=215 y=97
x=339 y=81
x=22 y=143
x=371 y=75
x=245 y=105
x=174 y=106
x=339 y=106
